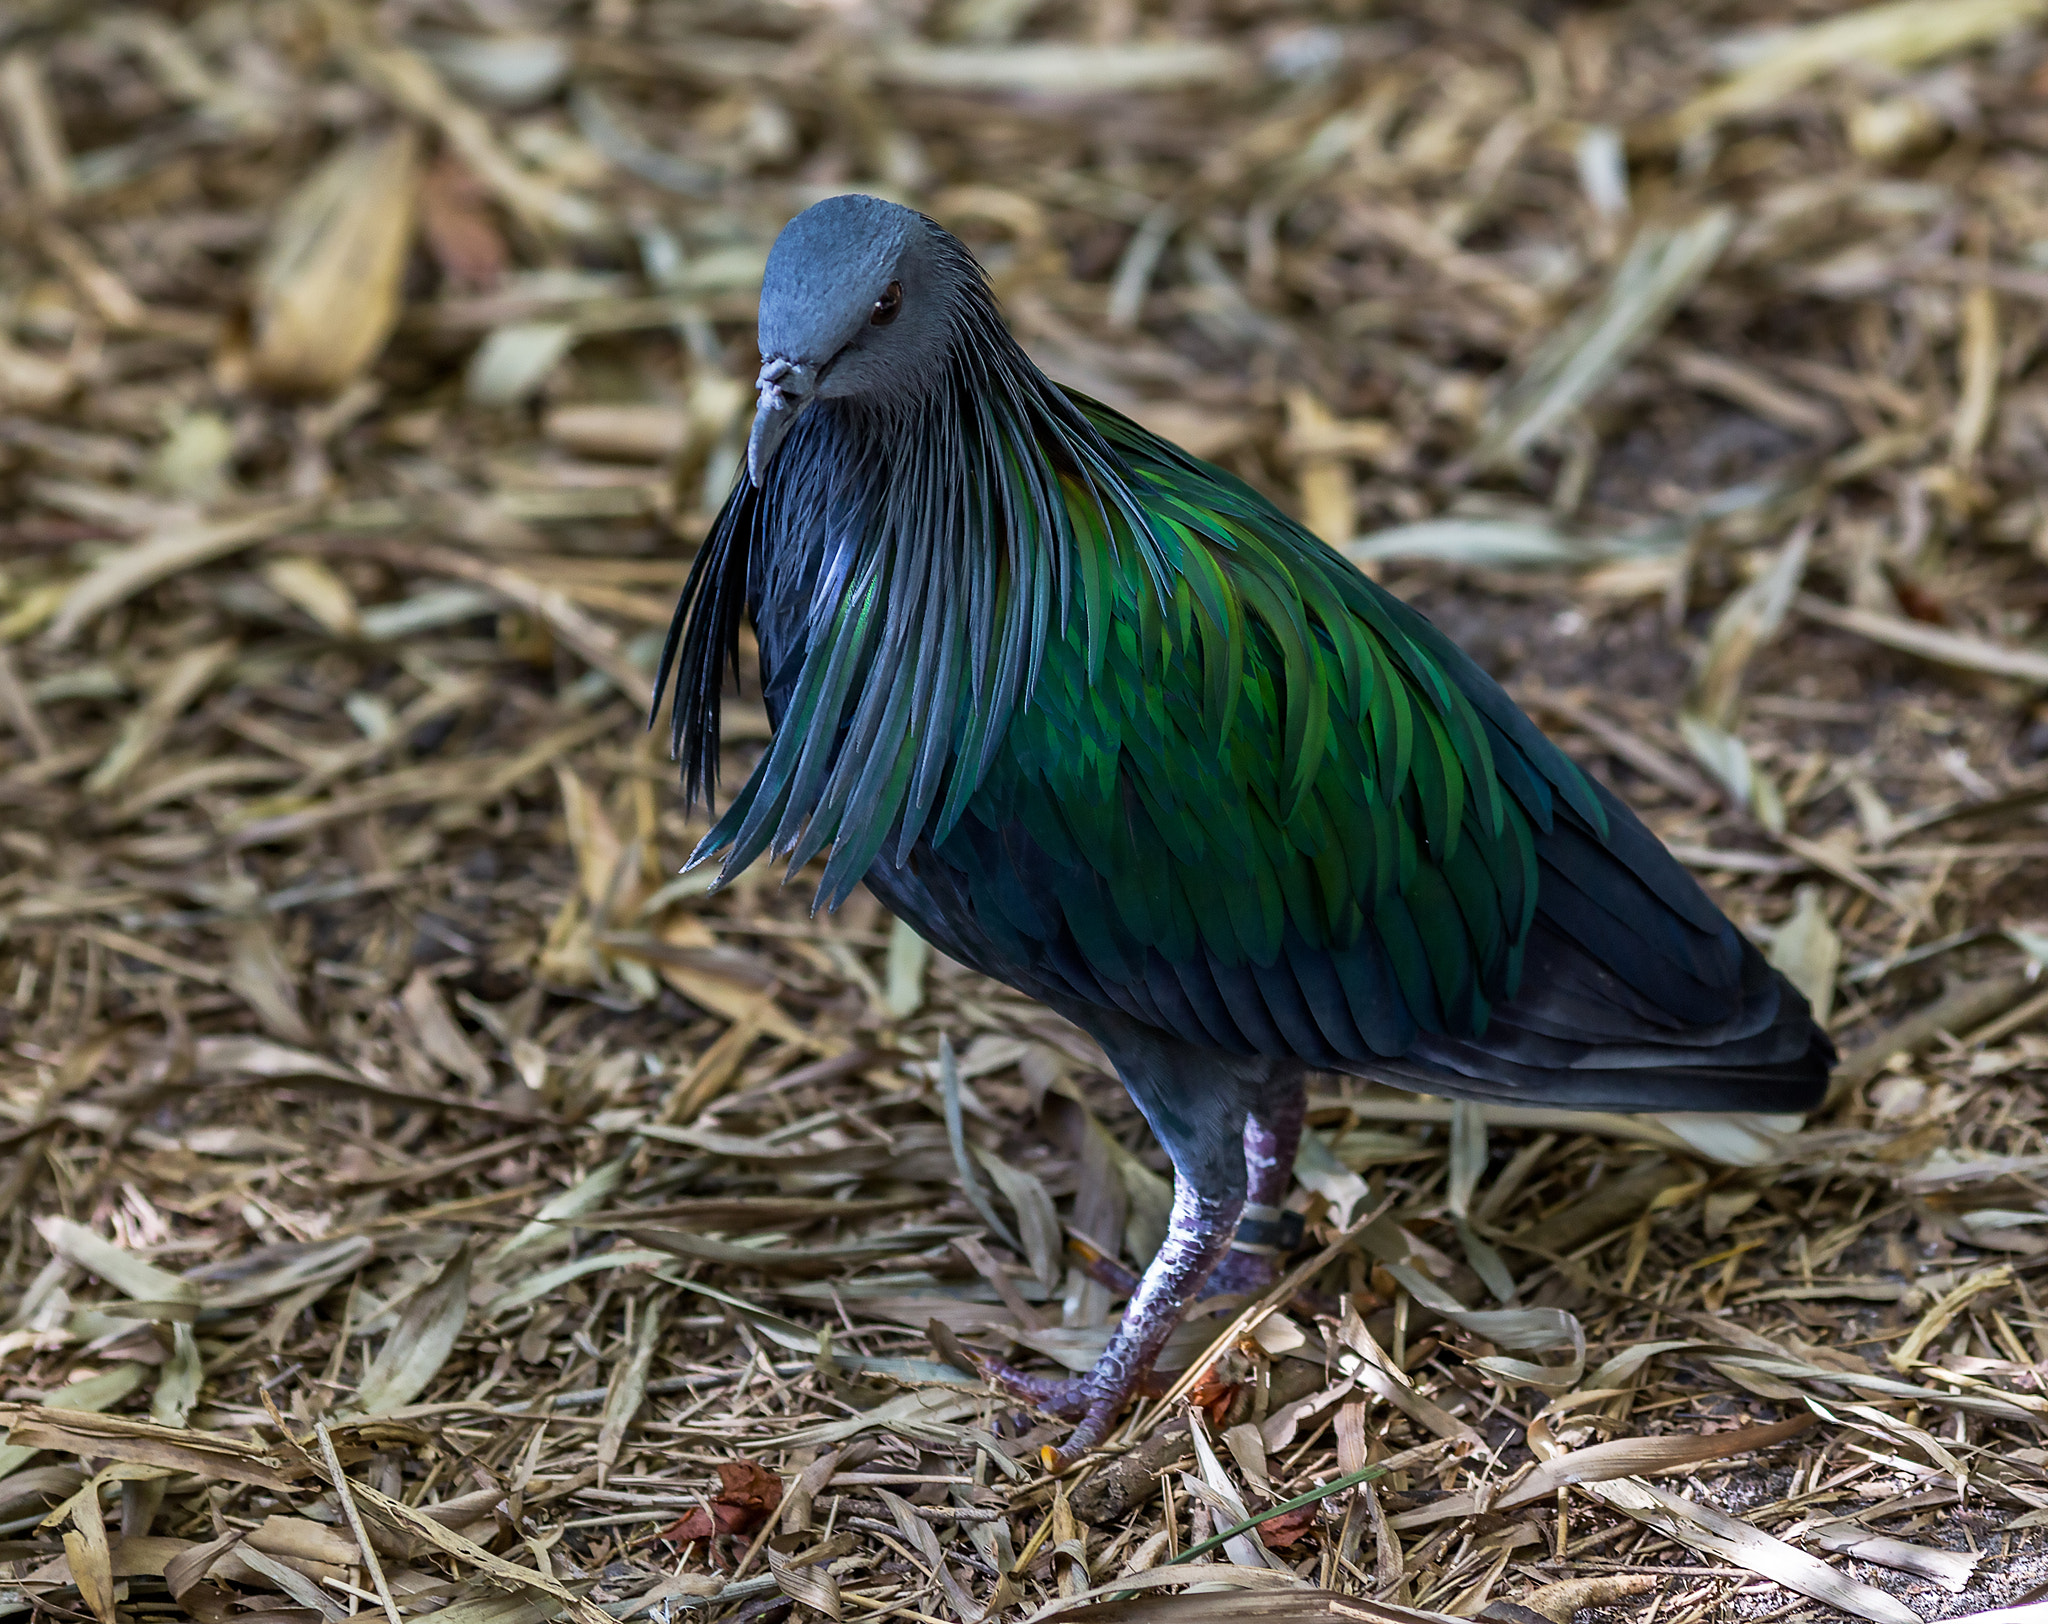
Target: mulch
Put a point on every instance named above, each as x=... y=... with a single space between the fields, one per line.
x=417 y=1194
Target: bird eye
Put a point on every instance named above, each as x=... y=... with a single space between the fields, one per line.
x=888 y=307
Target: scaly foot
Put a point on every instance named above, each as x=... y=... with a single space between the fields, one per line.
x=1066 y=1397
x=1070 y=1398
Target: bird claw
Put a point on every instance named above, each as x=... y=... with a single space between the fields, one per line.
x=1088 y=1433
x=1068 y=1397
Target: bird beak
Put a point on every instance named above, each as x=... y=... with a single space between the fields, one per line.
x=786 y=389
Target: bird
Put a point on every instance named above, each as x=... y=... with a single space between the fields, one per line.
x=1099 y=720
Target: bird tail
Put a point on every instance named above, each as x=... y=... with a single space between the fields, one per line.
x=1636 y=994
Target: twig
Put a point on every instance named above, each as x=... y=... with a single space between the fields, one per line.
x=1966 y=1007
x=371 y=1565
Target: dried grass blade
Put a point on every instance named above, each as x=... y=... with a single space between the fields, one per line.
x=1943 y=647
x=184 y=544
x=1230 y=1595
x=1662 y=268
x=405 y=1521
x=1704 y=1529
x=292 y=1582
x=283 y=1272
x=179 y=1378
x=409 y=81
x=1622 y=1457
x=550 y=1228
x=1936 y=1320
x=151 y=1293
x=1895 y=35
x=1038 y=1220
x=364 y=1549
x=1949 y=1569
x=956 y=1135
x=92 y=1436
x=627 y=1390
x=186 y=678
x=1060 y=68
x=1236 y=1539
x=1371 y=1367
x=1742 y=626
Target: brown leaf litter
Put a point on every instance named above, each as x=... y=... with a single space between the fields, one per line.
x=420 y=1198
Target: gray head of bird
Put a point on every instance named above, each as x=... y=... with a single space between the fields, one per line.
x=859 y=303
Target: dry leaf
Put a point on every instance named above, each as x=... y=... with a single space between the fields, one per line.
x=1718 y=1535
x=808 y=1585
x=1599 y=1463
x=1038 y=1221
x=747 y=1496
x=457 y=226
x=258 y=972
x=152 y=1293
x=326 y=295
x=92 y=1564
x=312 y=586
x=444 y=1041
x=126 y=1438
x=1807 y=951
x=412 y=1355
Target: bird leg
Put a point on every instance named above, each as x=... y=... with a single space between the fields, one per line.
x=1238 y=1252
x=1272 y=1135
x=1197 y=1235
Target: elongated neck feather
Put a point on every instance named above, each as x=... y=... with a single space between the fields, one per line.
x=922 y=549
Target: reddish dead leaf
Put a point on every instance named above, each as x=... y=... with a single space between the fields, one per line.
x=460 y=232
x=748 y=1496
x=1915 y=598
x=1278 y=1533
x=1213 y=1396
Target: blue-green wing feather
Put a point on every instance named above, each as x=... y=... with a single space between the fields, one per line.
x=1269 y=787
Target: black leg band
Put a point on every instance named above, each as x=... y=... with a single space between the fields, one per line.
x=1267 y=1229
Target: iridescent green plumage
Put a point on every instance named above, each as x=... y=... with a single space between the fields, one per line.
x=1274 y=742
x=1224 y=739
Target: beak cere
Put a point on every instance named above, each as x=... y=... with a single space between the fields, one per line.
x=786 y=388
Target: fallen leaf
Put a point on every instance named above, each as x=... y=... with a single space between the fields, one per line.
x=748 y=1496
x=327 y=292
x=458 y=228
x=1281 y=1532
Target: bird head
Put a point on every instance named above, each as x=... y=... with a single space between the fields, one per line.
x=856 y=304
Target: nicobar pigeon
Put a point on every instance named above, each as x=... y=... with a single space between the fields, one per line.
x=1102 y=722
